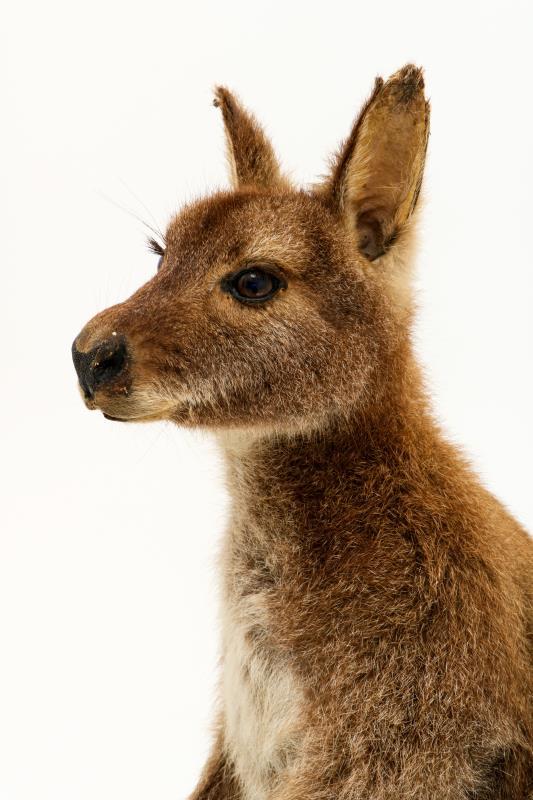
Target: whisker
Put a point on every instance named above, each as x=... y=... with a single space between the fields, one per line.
x=154 y=231
x=150 y=446
x=136 y=197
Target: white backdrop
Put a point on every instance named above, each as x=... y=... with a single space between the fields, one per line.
x=108 y=634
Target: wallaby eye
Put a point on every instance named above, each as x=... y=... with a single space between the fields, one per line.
x=253 y=285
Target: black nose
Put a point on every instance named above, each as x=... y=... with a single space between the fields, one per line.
x=101 y=364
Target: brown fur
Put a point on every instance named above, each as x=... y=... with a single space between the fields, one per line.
x=377 y=600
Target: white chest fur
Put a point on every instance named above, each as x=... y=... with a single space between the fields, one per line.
x=261 y=699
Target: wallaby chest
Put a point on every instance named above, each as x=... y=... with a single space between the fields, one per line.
x=261 y=697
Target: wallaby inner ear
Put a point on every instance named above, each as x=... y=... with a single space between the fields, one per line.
x=377 y=174
x=250 y=154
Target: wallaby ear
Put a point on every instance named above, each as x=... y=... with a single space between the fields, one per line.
x=251 y=156
x=377 y=174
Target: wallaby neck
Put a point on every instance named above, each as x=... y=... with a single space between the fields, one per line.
x=306 y=486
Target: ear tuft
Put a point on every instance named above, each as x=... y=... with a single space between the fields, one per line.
x=222 y=98
x=406 y=84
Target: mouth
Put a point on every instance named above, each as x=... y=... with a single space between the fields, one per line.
x=145 y=417
x=94 y=404
x=139 y=418
x=122 y=410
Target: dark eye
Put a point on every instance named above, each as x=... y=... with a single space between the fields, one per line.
x=253 y=285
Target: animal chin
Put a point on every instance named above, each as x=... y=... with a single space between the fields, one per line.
x=139 y=417
x=116 y=419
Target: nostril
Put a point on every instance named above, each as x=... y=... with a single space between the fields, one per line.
x=101 y=364
x=109 y=361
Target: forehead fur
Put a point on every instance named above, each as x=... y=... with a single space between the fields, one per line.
x=293 y=228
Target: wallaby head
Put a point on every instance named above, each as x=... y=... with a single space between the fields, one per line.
x=274 y=306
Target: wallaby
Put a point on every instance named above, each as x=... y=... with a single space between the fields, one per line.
x=376 y=640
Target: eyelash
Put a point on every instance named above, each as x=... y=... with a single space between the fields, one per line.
x=155 y=247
